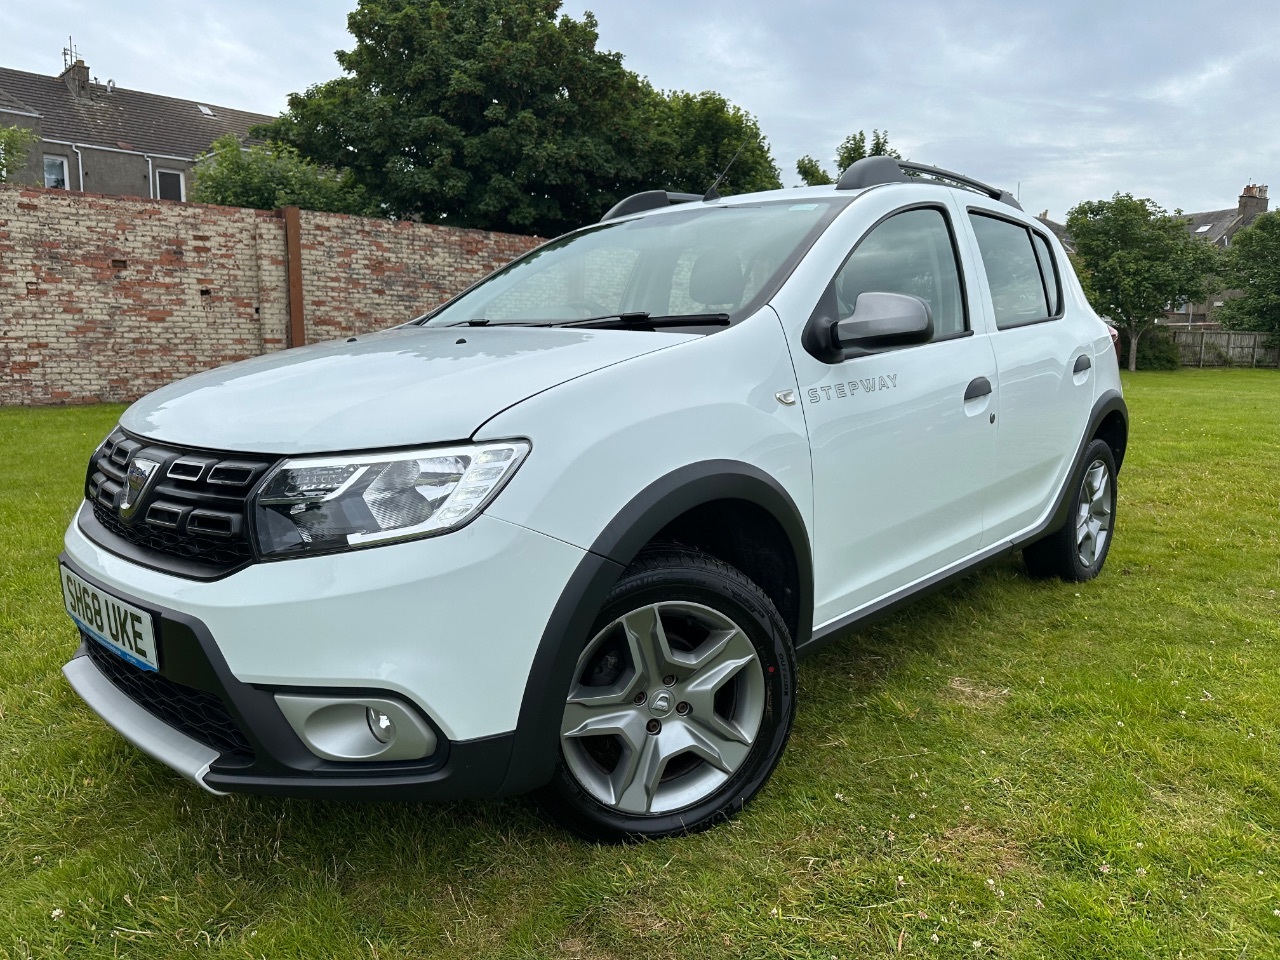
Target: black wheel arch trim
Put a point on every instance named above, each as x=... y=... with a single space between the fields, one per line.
x=1110 y=402
x=537 y=737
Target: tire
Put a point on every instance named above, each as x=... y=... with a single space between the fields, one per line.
x=681 y=702
x=1078 y=551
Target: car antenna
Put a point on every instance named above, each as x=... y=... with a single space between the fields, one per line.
x=712 y=194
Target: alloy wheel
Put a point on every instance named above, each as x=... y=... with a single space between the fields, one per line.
x=1093 y=513
x=666 y=703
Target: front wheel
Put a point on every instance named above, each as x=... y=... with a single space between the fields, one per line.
x=1078 y=551
x=681 y=702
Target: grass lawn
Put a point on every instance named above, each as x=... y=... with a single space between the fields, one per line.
x=1007 y=768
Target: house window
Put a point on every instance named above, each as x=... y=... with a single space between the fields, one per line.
x=1205 y=229
x=170 y=185
x=55 y=172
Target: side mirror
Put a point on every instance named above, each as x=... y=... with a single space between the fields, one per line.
x=884 y=320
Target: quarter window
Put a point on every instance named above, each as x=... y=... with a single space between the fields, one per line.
x=1049 y=271
x=55 y=173
x=1020 y=271
x=909 y=253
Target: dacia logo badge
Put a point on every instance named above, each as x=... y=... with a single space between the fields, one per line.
x=136 y=481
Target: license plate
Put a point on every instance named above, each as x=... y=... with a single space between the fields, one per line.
x=119 y=626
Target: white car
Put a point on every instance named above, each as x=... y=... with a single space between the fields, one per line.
x=570 y=531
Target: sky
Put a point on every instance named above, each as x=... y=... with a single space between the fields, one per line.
x=1060 y=102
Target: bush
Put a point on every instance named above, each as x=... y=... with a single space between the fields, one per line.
x=1156 y=351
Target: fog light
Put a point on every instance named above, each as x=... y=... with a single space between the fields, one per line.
x=380 y=725
x=358 y=728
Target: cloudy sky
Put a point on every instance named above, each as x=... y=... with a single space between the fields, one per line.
x=1064 y=101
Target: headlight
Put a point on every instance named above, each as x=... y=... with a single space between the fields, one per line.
x=322 y=504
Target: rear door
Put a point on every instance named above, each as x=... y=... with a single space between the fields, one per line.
x=1044 y=363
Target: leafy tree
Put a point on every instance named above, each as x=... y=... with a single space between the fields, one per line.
x=811 y=172
x=1137 y=260
x=272 y=176
x=851 y=150
x=698 y=135
x=1252 y=264
x=499 y=114
x=15 y=144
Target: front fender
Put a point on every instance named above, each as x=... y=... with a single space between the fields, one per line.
x=636 y=524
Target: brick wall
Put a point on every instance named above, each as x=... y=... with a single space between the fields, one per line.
x=361 y=274
x=106 y=298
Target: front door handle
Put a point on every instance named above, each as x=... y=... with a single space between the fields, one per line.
x=978 y=387
x=1083 y=363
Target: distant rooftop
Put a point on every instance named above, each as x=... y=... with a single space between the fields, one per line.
x=1218 y=226
x=74 y=108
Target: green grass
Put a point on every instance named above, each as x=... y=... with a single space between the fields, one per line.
x=1018 y=769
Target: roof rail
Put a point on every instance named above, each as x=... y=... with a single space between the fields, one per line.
x=870 y=171
x=649 y=200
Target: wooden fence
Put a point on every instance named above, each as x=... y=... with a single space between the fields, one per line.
x=1225 y=348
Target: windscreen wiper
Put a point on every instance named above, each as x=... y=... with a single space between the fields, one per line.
x=642 y=321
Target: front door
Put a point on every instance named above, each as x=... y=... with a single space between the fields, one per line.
x=901 y=459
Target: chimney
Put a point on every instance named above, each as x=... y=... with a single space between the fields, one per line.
x=1253 y=201
x=76 y=77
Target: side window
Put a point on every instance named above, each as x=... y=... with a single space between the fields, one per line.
x=909 y=253
x=1019 y=293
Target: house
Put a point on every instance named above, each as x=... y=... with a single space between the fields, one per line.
x=1219 y=227
x=1058 y=230
x=104 y=139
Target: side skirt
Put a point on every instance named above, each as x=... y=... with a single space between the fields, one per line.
x=891 y=603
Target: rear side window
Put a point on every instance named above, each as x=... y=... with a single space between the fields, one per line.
x=909 y=253
x=1020 y=271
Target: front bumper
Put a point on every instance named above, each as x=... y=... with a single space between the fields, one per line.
x=449 y=625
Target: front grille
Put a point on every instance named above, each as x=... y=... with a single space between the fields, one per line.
x=194 y=505
x=201 y=716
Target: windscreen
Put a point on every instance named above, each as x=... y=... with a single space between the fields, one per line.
x=722 y=259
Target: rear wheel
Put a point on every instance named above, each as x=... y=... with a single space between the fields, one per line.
x=681 y=702
x=1078 y=551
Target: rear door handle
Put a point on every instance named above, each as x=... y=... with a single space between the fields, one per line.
x=1083 y=363
x=978 y=387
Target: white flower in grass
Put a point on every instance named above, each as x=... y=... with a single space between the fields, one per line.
x=1104 y=868
x=58 y=913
